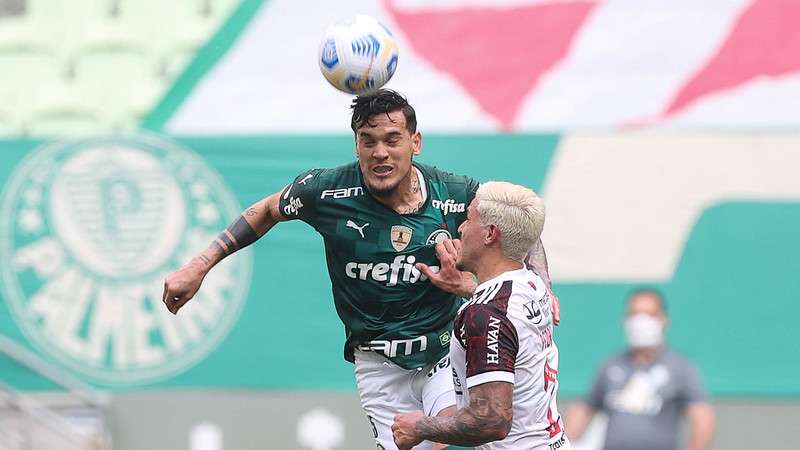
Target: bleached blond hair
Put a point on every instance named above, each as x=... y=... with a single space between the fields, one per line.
x=516 y=211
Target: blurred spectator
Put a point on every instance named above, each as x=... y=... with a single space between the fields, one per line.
x=12 y=7
x=645 y=390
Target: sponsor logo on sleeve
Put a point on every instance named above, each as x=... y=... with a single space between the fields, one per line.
x=293 y=207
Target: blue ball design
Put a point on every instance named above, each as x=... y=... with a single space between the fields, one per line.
x=329 y=56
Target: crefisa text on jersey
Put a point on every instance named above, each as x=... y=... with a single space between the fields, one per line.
x=388 y=272
x=448 y=206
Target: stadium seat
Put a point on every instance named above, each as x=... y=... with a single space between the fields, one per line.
x=174 y=20
x=65 y=121
x=61 y=108
x=109 y=37
x=24 y=70
x=120 y=54
x=118 y=79
x=20 y=32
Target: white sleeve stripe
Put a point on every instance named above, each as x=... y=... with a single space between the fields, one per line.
x=487 y=377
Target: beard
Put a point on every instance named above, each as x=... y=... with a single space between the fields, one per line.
x=385 y=191
x=387 y=188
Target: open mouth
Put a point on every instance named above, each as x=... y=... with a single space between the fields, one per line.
x=382 y=171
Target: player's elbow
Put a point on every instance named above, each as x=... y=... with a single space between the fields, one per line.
x=496 y=431
x=503 y=431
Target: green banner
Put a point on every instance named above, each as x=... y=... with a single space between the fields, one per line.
x=89 y=229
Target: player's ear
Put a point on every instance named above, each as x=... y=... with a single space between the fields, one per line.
x=492 y=234
x=416 y=143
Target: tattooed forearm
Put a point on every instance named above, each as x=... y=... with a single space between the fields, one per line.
x=238 y=235
x=537 y=261
x=254 y=222
x=486 y=419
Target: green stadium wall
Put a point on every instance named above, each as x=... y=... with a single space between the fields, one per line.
x=732 y=294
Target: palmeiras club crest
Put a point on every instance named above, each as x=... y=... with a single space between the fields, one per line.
x=88 y=231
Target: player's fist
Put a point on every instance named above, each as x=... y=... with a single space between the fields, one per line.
x=404 y=430
x=181 y=285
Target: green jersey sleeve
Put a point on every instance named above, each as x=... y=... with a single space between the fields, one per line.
x=299 y=199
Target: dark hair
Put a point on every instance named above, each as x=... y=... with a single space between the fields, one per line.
x=383 y=101
x=651 y=291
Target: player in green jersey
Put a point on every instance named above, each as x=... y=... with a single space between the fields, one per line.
x=381 y=219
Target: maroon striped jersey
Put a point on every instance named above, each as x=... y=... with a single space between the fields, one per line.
x=504 y=333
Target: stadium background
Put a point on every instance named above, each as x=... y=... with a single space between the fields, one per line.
x=663 y=137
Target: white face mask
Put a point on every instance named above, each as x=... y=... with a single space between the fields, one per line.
x=644 y=330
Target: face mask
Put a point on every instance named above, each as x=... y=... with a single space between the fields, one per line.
x=644 y=330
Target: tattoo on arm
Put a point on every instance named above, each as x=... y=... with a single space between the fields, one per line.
x=537 y=261
x=487 y=418
x=237 y=236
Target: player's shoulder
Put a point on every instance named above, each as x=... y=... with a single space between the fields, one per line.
x=490 y=298
x=527 y=284
x=487 y=307
x=453 y=181
x=332 y=179
x=336 y=175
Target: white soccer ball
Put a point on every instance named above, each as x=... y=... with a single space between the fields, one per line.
x=358 y=56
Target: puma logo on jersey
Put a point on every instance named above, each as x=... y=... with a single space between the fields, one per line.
x=360 y=229
x=306 y=178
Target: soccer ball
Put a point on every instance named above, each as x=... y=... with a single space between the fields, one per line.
x=358 y=56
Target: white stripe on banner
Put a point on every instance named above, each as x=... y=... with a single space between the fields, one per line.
x=528 y=65
x=620 y=208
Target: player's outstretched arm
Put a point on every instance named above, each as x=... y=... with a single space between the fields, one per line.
x=487 y=418
x=180 y=286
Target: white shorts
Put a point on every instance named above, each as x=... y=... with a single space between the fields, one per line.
x=387 y=389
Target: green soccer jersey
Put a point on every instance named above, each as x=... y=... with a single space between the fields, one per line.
x=385 y=303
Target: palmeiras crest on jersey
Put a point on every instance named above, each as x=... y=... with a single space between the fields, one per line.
x=400 y=236
x=438 y=236
x=89 y=229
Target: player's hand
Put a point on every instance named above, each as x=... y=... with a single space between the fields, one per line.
x=404 y=430
x=555 y=306
x=449 y=278
x=181 y=285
